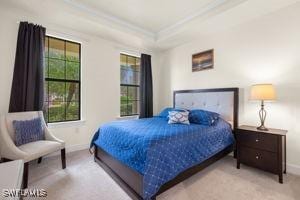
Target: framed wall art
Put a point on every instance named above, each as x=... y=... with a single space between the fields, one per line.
x=203 y=60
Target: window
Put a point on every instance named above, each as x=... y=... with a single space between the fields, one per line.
x=62 y=80
x=130 y=84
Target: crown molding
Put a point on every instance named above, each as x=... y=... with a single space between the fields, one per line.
x=111 y=19
x=205 y=10
x=154 y=36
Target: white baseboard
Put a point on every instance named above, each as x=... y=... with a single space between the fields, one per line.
x=72 y=148
x=77 y=147
x=293 y=169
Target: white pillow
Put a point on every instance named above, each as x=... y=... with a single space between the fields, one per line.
x=178 y=117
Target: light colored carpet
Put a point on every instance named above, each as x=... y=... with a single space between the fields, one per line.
x=85 y=179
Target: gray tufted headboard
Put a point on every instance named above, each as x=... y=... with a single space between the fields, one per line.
x=220 y=100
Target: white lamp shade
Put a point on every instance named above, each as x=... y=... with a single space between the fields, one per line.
x=263 y=92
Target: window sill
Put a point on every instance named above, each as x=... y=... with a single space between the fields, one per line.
x=127 y=117
x=66 y=124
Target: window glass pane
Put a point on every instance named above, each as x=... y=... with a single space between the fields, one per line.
x=136 y=78
x=72 y=92
x=46 y=46
x=45 y=111
x=72 y=71
x=137 y=64
x=124 y=93
x=56 y=91
x=123 y=61
x=129 y=70
x=72 y=111
x=46 y=67
x=124 y=110
x=137 y=107
x=56 y=68
x=72 y=51
x=56 y=111
x=133 y=93
x=56 y=48
x=131 y=63
x=124 y=77
x=133 y=107
x=45 y=91
x=130 y=77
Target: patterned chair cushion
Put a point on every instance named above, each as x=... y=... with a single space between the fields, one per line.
x=203 y=117
x=178 y=117
x=28 y=131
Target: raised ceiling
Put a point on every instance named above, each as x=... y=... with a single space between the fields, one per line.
x=157 y=24
x=151 y=15
x=153 y=18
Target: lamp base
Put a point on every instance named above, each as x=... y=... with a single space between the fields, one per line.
x=262 y=128
x=262 y=117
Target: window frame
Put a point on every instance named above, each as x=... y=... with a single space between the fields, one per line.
x=65 y=80
x=128 y=86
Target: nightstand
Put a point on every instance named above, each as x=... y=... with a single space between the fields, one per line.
x=264 y=150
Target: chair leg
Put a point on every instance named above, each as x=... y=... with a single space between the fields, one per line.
x=40 y=160
x=63 y=158
x=25 y=175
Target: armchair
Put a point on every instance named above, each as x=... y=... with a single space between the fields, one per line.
x=29 y=151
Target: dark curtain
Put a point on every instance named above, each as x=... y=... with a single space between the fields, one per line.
x=27 y=92
x=146 y=88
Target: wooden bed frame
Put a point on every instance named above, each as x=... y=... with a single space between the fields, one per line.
x=132 y=181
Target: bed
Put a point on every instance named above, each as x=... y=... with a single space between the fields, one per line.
x=148 y=156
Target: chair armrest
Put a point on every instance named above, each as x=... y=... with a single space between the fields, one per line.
x=51 y=137
x=8 y=148
x=48 y=134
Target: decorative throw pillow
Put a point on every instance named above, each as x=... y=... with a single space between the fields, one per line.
x=28 y=131
x=165 y=112
x=178 y=117
x=203 y=117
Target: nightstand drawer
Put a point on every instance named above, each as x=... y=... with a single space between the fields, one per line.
x=258 y=158
x=262 y=141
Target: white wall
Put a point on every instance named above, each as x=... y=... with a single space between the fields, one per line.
x=100 y=76
x=266 y=50
x=263 y=50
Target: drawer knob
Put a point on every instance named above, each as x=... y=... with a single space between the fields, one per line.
x=257 y=140
x=257 y=157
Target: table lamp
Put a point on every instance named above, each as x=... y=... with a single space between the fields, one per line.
x=263 y=92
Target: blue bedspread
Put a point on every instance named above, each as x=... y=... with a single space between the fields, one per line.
x=160 y=151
